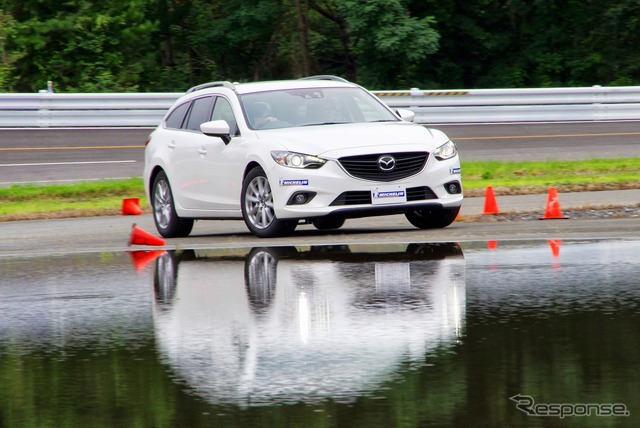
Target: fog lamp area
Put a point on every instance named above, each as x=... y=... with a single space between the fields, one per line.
x=453 y=187
x=300 y=198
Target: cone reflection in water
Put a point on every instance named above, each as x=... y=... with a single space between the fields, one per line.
x=555 y=247
x=142 y=237
x=552 y=209
x=143 y=258
x=131 y=206
x=490 y=202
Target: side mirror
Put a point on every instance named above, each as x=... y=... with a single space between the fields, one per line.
x=406 y=115
x=217 y=128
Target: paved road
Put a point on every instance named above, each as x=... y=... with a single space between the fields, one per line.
x=543 y=141
x=103 y=234
x=60 y=155
x=67 y=155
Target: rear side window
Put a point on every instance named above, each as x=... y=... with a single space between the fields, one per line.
x=200 y=113
x=176 y=117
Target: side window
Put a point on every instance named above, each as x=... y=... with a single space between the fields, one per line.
x=176 y=117
x=200 y=113
x=223 y=111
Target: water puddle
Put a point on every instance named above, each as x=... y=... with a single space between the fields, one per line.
x=495 y=334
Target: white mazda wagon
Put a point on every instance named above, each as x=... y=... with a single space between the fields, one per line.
x=317 y=150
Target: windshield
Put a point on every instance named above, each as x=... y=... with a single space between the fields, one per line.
x=314 y=106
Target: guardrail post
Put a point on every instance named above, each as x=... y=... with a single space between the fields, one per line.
x=44 y=112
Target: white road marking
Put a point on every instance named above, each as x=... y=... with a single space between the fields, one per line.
x=76 y=180
x=67 y=163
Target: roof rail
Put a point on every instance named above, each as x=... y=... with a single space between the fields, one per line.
x=325 y=77
x=213 y=85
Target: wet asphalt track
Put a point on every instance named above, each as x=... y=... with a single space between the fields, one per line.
x=105 y=234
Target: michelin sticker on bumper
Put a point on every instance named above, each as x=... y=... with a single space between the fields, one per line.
x=388 y=196
x=294 y=182
x=454 y=171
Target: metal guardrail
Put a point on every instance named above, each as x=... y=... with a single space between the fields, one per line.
x=52 y=110
x=49 y=110
x=519 y=105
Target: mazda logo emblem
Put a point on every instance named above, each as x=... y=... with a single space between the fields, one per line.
x=386 y=163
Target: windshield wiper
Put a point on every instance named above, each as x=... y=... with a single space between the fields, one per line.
x=324 y=123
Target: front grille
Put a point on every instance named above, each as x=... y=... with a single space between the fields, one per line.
x=363 y=197
x=366 y=166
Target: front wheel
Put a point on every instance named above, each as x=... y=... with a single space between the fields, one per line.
x=258 y=210
x=164 y=212
x=432 y=218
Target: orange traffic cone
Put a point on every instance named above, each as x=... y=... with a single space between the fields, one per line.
x=131 y=206
x=492 y=244
x=490 y=202
x=143 y=258
x=142 y=237
x=553 y=211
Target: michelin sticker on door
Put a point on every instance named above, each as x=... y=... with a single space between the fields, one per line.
x=388 y=195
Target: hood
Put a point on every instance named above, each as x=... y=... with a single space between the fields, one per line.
x=333 y=141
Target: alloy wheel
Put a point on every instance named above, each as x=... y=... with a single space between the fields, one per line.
x=163 y=204
x=259 y=203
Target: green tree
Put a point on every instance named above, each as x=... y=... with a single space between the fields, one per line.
x=522 y=43
x=7 y=56
x=169 y=45
x=381 y=41
x=375 y=42
x=82 y=46
x=234 y=39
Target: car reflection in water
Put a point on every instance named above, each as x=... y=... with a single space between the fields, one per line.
x=303 y=324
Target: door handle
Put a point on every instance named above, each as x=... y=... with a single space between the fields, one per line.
x=172 y=145
x=202 y=152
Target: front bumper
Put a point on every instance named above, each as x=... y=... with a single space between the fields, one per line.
x=333 y=192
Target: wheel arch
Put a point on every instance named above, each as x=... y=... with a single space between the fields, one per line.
x=152 y=176
x=249 y=167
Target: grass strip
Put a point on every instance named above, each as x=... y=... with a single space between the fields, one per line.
x=569 y=175
x=105 y=197
x=22 y=202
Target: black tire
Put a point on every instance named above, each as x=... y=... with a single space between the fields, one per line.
x=435 y=251
x=261 y=275
x=167 y=221
x=328 y=223
x=432 y=218
x=164 y=280
x=256 y=203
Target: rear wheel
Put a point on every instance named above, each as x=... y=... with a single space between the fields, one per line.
x=328 y=223
x=432 y=218
x=164 y=213
x=258 y=210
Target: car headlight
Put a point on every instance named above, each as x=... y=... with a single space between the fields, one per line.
x=297 y=160
x=445 y=151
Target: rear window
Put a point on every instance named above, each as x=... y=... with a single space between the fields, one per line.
x=176 y=117
x=200 y=113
